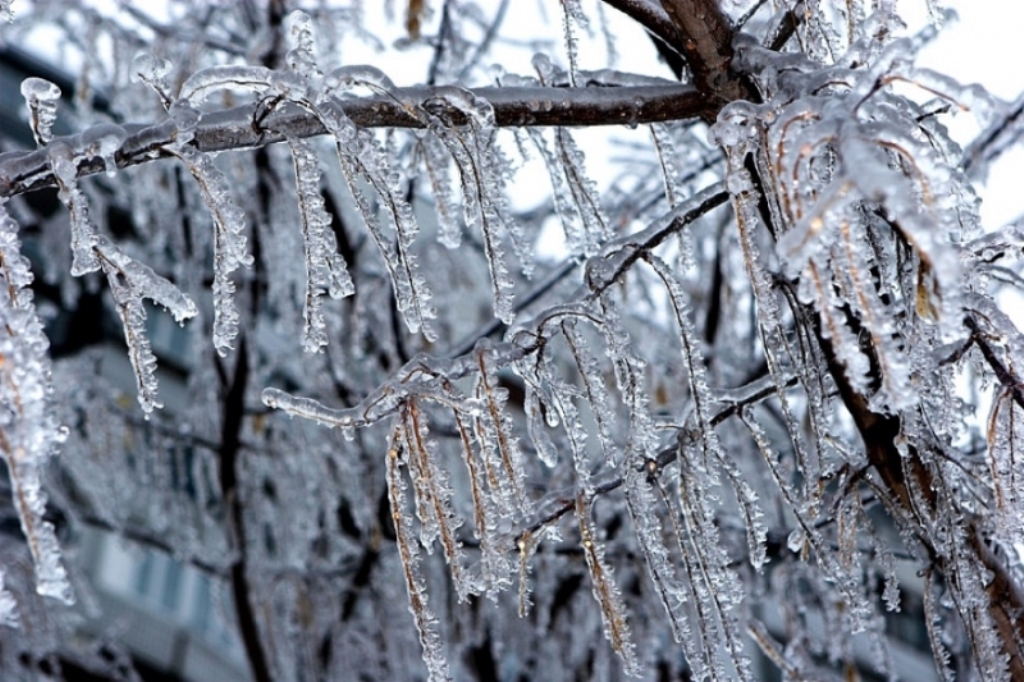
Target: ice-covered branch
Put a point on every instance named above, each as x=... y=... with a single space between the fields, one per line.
x=731 y=402
x=241 y=127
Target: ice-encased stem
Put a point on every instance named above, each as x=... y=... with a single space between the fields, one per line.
x=29 y=434
x=229 y=242
x=232 y=129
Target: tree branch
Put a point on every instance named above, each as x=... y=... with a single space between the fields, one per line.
x=240 y=128
x=230 y=451
x=564 y=501
x=651 y=16
x=1004 y=375
x=704 y=36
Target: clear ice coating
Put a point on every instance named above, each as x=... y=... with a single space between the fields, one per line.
x=229 y=242
x=30 y=433
x=130 y=282
x=773 y=369
x=41 y=97
x=483 y=175
x=356 y=75
x=325 y=268
x=64 y=161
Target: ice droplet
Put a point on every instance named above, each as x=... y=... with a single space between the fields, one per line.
x=795 y=541
x=41 y=97
x=149 y=68
x=39 y=89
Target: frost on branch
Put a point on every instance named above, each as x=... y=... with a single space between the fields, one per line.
x=745 y=422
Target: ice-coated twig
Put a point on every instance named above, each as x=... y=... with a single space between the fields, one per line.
x=483 y=174
x=229 y=242
x=426 y=621
x=41 y=97
x=421 y=375
x=325 y=268
x=606 y=592
x=130 y=282
x=232 y=129
x=29 y=433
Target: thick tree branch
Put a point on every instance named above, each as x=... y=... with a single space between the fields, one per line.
x=704 y=35
x=240 y=127
x=230 y=452
x=650 y=15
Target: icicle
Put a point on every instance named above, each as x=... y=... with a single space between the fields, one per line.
x=437 y=161
x=104 y=140
x=64 y=156
x=41 y=96
x=302 y=57
x=130 y=282
x=537 y=423
x=29 y=434
x=228 y=242
x=9 y=616
x=362 y=158
x=483 y=178
x=411 y=290
x=613 y=611
x=575 y=195
x=145 y=283
x=426 y=622
x=325 y=268
x=63 y=161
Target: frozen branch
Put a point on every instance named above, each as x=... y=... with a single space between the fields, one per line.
x=243 y=128
x=732 y=401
